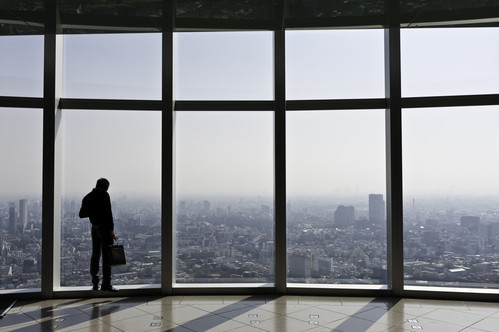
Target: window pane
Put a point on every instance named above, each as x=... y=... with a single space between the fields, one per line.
x=21 y=66
x=451 y=225
x=334 y=64
x=336 y=197
x=20 y=198
x=112 y=66
x=125 y=148
x=224 y=197
x=224 y=66
x=438 y=62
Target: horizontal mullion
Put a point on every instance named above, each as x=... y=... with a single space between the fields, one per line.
x=213 y=105
x=450 y=101
x=336 y=104
x=368 y=21
x=111 y=104
x=21 y=102
x=101 y=23
x=201 y=24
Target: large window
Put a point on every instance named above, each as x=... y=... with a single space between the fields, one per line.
x=335 y=193
x=334 y=64
x=224 y=66
x=21 y=66
x=20 y=198
x=124 y=147
x=451 y=223
x=224 y=197
x=112 y=66
x=253 y=145
x=459 y=61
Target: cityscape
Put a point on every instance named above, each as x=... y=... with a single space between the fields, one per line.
x=448 y=241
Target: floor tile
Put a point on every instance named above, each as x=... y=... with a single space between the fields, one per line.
x=282 y=323
x=443 y=304
x=350 y=324
x=284 y=300
x=18 y=321
x=457 y=317
x=212 y=323
x=319 y=300
x=180 y=315
x=486 y=324
x=246 y=314
x=285 y=309
x=346 y=310
x=77 y=322
x=201 y=300
x=246 y=300
x=430 y=325
x=317 y=314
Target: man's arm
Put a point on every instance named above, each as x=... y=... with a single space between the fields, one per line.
x=84 y=210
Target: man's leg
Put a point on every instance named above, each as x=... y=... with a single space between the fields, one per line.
x=106 y=257
x=94 y=260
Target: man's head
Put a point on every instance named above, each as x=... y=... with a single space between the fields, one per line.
x=102 y=184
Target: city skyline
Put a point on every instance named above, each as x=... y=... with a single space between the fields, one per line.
x=446 y=243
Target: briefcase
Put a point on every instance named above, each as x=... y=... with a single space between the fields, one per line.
x=117 y=254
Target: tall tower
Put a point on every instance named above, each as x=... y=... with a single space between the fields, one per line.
x=23 y=214
x=344 y=216
x=12 y=218
x=377 y=209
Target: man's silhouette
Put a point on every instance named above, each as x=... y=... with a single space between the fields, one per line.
x=97 y=206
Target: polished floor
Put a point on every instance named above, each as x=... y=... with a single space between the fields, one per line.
x=250 y=313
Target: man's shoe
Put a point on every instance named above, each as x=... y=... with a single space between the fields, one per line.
x=108 y=288
x=95 y=287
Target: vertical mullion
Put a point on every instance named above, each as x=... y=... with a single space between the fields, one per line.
x=280 y=161
x=50 y=104
x=167 y=196
x=394 y=152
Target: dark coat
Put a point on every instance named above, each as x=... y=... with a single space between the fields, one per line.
x=96 y=205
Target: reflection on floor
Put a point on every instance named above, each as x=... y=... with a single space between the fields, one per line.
x=250 y=313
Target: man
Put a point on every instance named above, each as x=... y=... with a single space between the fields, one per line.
x=97 y=206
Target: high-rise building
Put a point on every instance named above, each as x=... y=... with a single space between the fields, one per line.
x=470 y=222
x=206 y=206
x=300 y=265
x=376 y=209
x=344 y=216
x=12 y=218
x=23 y=215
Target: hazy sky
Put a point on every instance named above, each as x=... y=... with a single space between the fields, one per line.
x=446 y=150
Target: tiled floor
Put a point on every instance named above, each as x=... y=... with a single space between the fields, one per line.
x=251 y=313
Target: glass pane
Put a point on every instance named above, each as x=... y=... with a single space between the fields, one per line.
x=21 y=66
x=224 y=66
x=125 y=148
x=335 y=64
x=451 y=196
x=328 y=8
x=224 y=197
x=116 y=66
x=438 y=62
x=20 y=198
x=225 y=10
x=336 y=224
